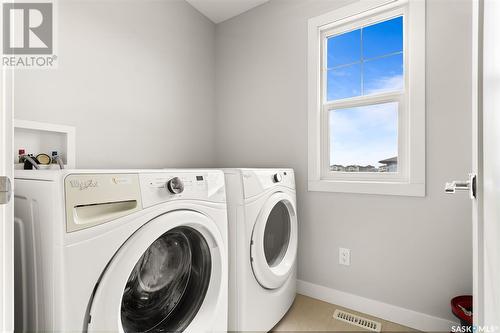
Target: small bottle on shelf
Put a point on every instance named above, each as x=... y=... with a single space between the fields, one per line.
x=53 y=155
x=21 y=153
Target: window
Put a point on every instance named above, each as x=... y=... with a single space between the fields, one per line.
x=367 y=99
x=364 y=63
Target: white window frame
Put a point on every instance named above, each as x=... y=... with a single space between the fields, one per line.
x=410 y=178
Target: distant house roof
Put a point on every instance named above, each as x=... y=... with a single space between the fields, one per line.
x=392 y=160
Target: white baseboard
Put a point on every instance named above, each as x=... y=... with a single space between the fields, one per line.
x=396 y=314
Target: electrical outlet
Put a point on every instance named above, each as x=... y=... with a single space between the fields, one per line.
x=344 y=256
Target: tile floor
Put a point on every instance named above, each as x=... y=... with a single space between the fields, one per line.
x=309 y=314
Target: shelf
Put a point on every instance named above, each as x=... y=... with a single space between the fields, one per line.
x=37 y=137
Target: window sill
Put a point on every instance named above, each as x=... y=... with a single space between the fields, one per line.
x=365 y=187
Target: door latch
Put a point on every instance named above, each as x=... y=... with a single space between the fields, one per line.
x=5 y=190
x=463 y=185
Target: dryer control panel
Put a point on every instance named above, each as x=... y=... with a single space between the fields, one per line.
x=257 y=181
x=161 y=187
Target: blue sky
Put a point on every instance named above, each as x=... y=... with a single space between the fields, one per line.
x=363 y=62
x=363 y=135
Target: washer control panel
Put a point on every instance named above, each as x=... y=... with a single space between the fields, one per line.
x=92 y=199
x=157 y=188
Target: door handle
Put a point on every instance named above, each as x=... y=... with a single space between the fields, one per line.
x=5 y=190
x=462 y=185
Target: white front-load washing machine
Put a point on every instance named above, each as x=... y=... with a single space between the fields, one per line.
x=262 y=217
x=121 y=251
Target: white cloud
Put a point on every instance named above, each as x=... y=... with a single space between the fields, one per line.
x=363 y=135
x=387 y=83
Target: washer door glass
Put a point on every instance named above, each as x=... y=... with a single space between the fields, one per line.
x=168 y=284
x=277 y=234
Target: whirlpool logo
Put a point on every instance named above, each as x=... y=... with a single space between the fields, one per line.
x=28 y=34
x=84 y=184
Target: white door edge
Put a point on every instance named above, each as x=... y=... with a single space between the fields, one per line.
x=487 y=212
x=7 y=211
x=477 y=133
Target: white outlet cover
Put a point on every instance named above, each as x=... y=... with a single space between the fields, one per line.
x=344 y=256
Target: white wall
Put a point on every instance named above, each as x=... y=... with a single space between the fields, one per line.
x=410 y=252
x=136 y=78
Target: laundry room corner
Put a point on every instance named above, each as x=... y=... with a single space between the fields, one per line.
x=402 y=252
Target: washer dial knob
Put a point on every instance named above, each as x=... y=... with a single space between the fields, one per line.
x=175 y=185
x=277 y=177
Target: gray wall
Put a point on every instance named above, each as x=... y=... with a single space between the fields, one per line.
x=136 y=78
x=410 y=252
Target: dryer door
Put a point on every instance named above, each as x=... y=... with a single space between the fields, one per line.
x=274 y=241
x=167 y=277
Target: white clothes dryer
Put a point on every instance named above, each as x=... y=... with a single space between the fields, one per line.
x=262 y=217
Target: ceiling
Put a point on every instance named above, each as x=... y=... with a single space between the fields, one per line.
x=220 y=10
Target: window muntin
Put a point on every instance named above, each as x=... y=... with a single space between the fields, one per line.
x=384 y=74
x=344 y=49
x=383 y=38
x=344 y=82
x=365 y=61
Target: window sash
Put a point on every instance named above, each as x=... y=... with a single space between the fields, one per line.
x=402 y=173
x=399 y=97
x=341 y=28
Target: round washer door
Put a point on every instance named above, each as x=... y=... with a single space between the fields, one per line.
x=274 y=241
x=167 y=277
